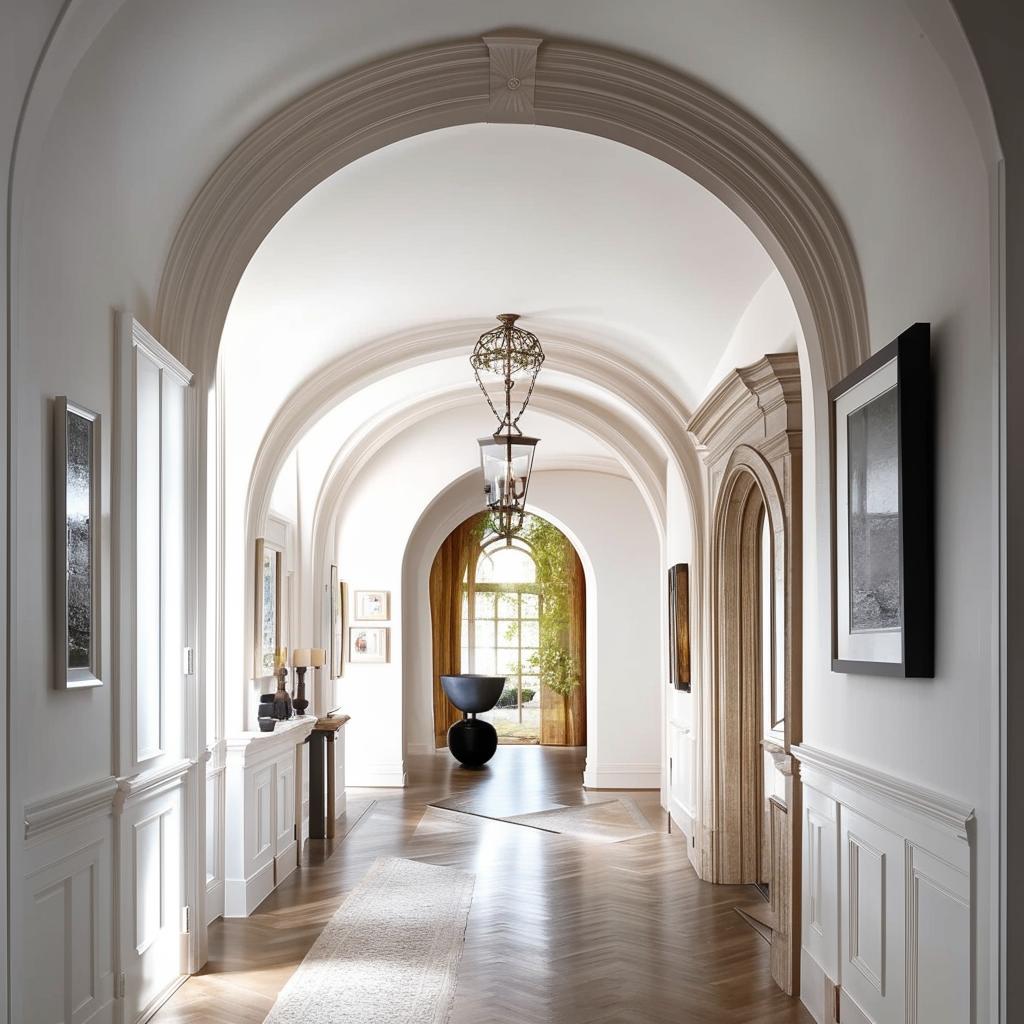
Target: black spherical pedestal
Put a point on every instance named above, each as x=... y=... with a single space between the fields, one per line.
x=473 y=742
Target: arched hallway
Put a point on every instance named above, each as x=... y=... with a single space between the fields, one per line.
x=560 y=929
x=240 y=300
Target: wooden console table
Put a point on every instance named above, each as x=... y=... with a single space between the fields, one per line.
x=323 y=813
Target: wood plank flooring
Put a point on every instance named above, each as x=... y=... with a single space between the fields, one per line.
x=561 y=931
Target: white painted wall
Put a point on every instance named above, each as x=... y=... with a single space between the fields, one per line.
x=680 y=763
x=768 y=324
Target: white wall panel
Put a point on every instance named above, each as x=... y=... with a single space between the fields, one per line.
x=214 y=844
x=938 y=940
x=67 y=962
x=886 y=882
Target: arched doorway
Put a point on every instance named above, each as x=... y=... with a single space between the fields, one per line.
x=514 y=607
x=751 y=711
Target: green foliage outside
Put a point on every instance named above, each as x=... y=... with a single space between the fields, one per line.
x=553 y=556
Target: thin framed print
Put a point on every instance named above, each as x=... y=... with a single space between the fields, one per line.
x=267 y=624
x=679 y=625
x=334 y=614
x=76 y=488
x=369 y=644
x=372 y=605
x=883 y=620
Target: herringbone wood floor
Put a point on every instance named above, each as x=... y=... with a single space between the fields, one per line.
x=561 y=931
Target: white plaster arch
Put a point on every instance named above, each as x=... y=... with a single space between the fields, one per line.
x=452 y=505
x=640 y=465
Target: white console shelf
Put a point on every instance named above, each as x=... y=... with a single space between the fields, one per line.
x=262 y=812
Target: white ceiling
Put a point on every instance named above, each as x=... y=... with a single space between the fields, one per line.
x=572 y=231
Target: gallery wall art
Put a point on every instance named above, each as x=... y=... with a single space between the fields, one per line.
x=882 y=515
x=267 y=612
x=679 y=626
x=76 y=487
x=369 y=644
x=371 y=605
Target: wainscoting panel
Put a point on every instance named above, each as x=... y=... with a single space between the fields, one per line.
x=151 y=870
x=886 y=897
x=680 y=783
x=214 y=843
x=938 y=940
x=67 y=904
x=820 y=880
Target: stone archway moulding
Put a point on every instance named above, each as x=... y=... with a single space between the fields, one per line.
x=575 y=86
x=750 y=428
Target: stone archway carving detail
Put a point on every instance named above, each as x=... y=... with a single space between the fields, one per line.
x=575 y=86
x=750 y=434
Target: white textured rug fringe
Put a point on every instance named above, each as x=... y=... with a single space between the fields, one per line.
x=389 y=955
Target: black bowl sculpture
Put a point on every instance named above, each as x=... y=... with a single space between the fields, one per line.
x=472 y=741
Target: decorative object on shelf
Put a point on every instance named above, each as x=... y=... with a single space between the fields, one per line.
x=282 y=702
x=371 y=605
x=317 y=660
x=883 y=602
x=76 y=489
x=472 y=740
x=301 y=660
x=679 y=625
x=267 y=622
x=265 y=715
x=507 y=352
x=369 y=644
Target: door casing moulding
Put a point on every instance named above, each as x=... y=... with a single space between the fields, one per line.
x=750 y=434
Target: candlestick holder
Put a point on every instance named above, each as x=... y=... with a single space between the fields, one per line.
x=300 y=703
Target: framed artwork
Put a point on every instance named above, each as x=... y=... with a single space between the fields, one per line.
x=372 y=605
x=369 y=644
x=334 y=615
x=76 y=488
x=883 y=620
x=679 y=625
x=267 y=622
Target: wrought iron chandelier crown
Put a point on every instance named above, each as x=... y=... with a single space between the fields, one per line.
x=508 y=352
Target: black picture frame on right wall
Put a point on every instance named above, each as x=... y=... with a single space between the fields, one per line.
x=883 y=560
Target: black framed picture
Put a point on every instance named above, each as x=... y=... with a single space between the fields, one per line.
x=679 y=625
x=883 y=600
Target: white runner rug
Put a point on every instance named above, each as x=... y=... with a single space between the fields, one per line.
x=390 y=953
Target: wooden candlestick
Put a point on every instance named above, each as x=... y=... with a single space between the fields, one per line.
x=300 y=701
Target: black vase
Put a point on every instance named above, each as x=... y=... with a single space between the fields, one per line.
x=472 y=741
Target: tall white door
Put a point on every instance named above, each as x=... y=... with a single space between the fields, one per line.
x=155 y=822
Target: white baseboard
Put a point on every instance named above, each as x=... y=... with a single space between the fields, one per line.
x=389 y=775
x=682 y=817
x=214 y=900
x=622 y=776
x=812 y=987
x=243 y=895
